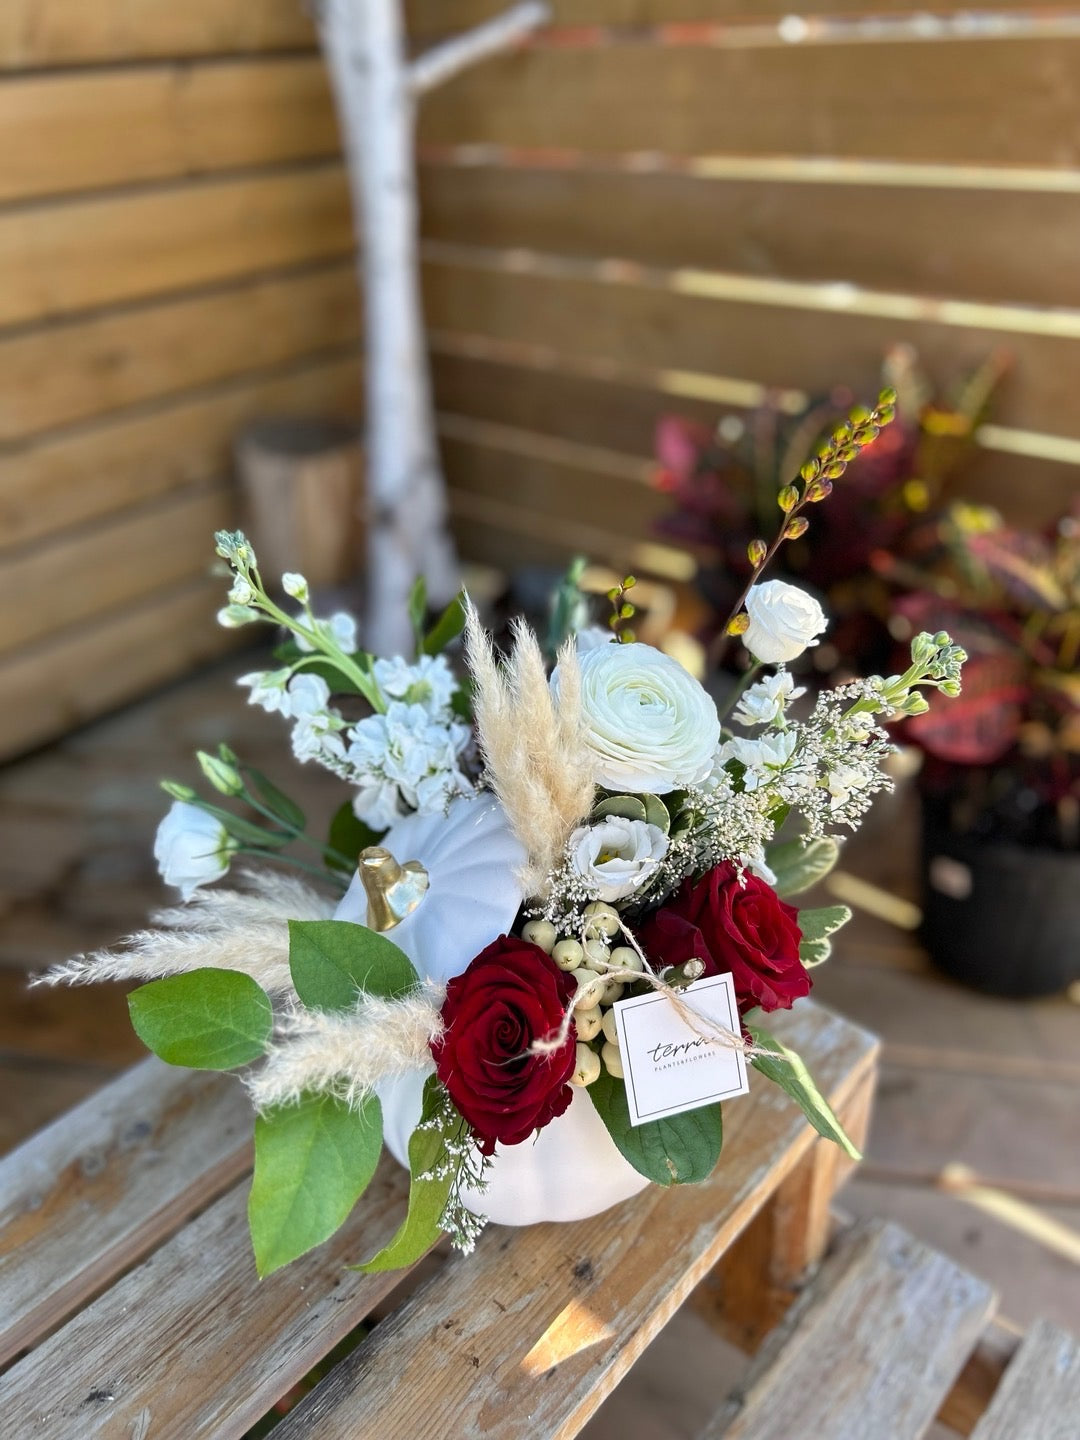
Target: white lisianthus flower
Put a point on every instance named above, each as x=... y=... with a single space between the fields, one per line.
x=429 y=682
x=191 y=848
x=648 y=722
x=784 y=620
x=765 y=702
x=617 y=856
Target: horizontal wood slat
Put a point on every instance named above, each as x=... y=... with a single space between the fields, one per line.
x=980 y=102
x=116 y=127
x=593 y=318
x=967 y=243
x=622 y=418
x=58 y=258
x=92 y=1194
x=87 y=670
x=43 y=486
x=544 y=1321
x=38 y=33
x=81 y=575
x=56 y=376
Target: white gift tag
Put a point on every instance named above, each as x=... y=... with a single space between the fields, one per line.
x=668 y=1067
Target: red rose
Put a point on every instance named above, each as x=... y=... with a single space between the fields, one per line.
x=511 y=995
x=743 y=927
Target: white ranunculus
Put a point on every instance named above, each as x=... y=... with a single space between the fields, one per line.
x=192 y=848
x=617 y=856
x=648 y=722
x=784 y=620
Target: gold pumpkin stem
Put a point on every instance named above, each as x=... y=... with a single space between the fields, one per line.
x=393 y=890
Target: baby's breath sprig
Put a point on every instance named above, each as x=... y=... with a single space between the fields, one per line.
x=817 y=476
x=622 y=611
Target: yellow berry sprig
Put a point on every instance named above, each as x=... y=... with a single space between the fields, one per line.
x=622 y=610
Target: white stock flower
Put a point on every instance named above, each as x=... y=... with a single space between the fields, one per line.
x=429 y=682
x=295 y=585
x=308 y=694
x=340 y=630
x=765 y=702
x=317 y=732
x=784 y=620
x=764 y=759
x=414 y=754
x=843 y=780
x=269 y=690
x=648 y=722
x=191 y=848
x=617 y=856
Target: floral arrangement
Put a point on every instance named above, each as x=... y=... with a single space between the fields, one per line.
x=523 y=862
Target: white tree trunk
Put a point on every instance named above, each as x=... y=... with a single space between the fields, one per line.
x=363 y=43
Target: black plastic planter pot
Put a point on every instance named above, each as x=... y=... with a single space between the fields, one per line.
x=1000 y=917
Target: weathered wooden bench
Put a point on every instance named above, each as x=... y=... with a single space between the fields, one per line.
x=129 y=1305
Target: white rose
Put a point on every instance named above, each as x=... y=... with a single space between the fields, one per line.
x=648 y=722
x=192 y=848
x=616 y=856
x=784 y=620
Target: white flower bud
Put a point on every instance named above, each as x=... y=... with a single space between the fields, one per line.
x=542 y=933
x=611 y=1034
x=587 y=1023
x=612 y=1059
x=604 y=919
x=590 y=989
x=784 y=620
x=586 y=1067
x=295 y=585
x=241 y=593
x=623 y=958
x=568 y=955
x=233 y=616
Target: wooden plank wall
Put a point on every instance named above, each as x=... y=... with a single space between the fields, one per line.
x=654 y=205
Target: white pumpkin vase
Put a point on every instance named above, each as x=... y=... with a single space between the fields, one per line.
x=571 y=1168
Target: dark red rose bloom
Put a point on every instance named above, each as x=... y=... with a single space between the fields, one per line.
x=511 y=995
x=727 y=925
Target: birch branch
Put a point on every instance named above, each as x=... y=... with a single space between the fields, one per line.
x=446 y=59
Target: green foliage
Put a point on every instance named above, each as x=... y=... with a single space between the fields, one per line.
x=817 y=925
x=422 y=1225
x=206 y=1020
x=788 y=1070
x=447 y=627
x=418 y=610
x=348 y=836
x=313 y=1161
x=275 y=800
x=332 y=960
x=680 y=1150
x=799 y=864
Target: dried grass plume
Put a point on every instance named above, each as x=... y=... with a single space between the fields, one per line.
x=537 y=762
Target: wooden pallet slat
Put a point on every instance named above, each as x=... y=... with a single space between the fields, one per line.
x=873 y=1348
x=104 y=1184
x=1039 y=1396
x=545 y=1321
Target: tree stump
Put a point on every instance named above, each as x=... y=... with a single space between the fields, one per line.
x=302 y=488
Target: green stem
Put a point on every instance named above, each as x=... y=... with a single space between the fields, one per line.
x=327 y=851
x=319 y=874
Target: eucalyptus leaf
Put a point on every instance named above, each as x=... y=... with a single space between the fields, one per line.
x=822 y=920
x=205 y=1019
x=313 y=1161
x=680 y=1150
x=422 y=1225
x=333 y=960
x=799 y=864
x=447 y=627
x=788 y=1070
